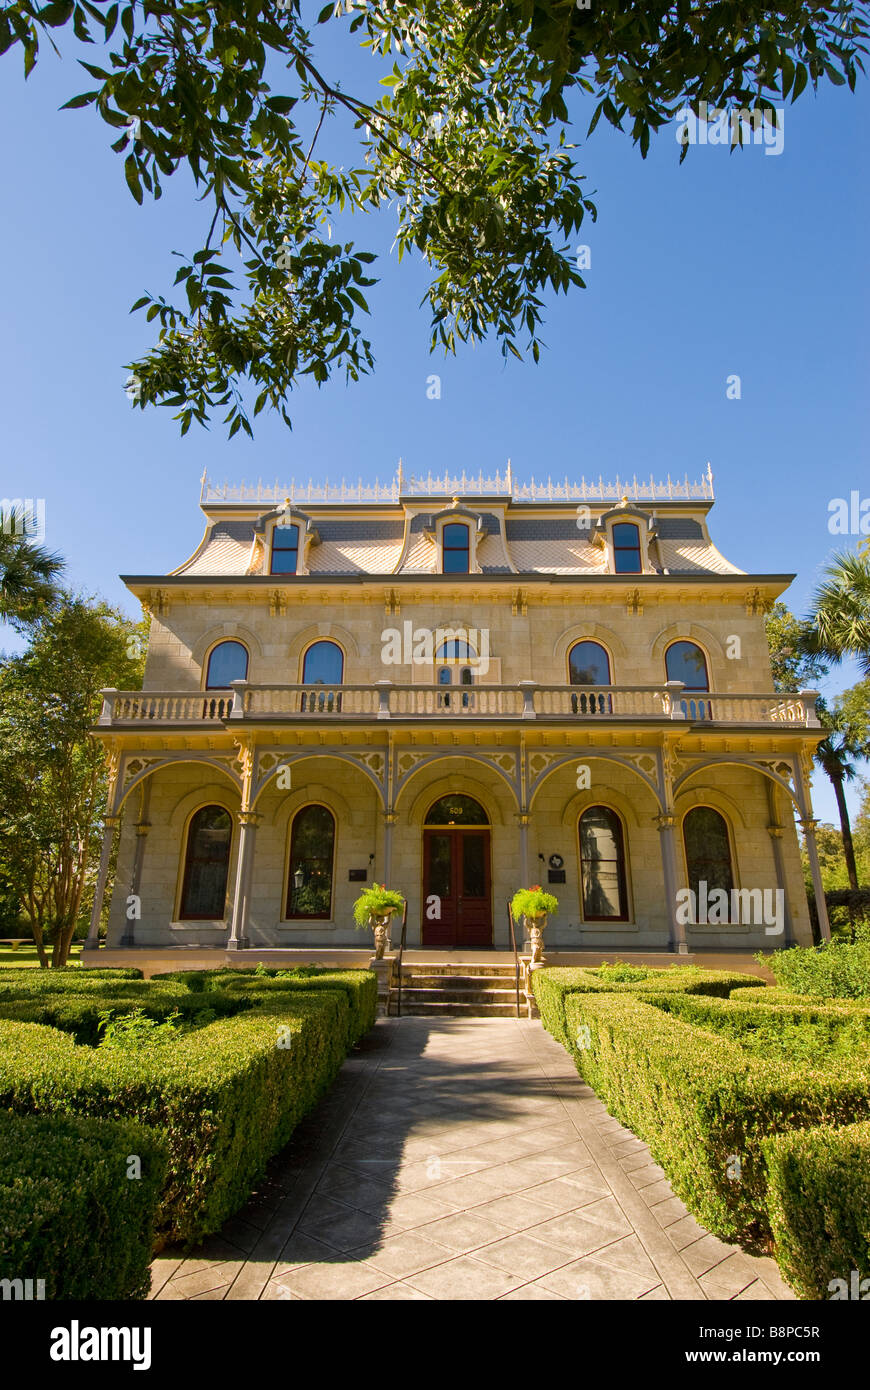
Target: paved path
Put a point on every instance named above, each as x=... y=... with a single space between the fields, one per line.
x=464 y=1159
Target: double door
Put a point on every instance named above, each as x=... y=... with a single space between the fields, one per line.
x=457 y=901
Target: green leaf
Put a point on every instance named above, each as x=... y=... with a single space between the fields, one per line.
x=131 y=174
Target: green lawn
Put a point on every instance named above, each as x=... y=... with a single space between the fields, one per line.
x=25 y=955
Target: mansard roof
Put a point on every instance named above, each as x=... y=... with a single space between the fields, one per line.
x=532 y=530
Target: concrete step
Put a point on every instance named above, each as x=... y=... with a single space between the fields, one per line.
x=458 y=996
x=463 y=972
x=458 y=982
x=450 y=1009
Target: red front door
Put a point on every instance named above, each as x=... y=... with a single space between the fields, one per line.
x=457 y=906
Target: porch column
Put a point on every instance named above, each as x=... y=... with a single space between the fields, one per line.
x=143 y=825
x=93 y=938
x=389 y=822
x=238 y=939
x=524 y=819
x=774 y=830
x=803 y=763
x=808 y=826
x=665 y=824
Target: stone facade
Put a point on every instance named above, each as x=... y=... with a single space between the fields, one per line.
x=380 y=745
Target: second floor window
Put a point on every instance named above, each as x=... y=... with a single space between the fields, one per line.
x=285 y=550
x=455 y=546
x=626 y=548
x=228 y=661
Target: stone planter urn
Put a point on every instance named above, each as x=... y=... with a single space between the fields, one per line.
x=535 y=927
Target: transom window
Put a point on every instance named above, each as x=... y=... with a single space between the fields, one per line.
x=312 y=851
x=602 y=866
x=626 y=548
x=228 y=661
x=455 y=548
x=285 y=550
x=206 y=865
x=457 y=810
x=708 y=850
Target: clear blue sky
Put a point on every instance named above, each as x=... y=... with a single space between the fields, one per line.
x=740 y=263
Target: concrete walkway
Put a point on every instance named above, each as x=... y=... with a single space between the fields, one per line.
x=464 y=1159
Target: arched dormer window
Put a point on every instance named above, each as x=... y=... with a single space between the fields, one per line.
x=627 y=557
x=284 y=550
x=206 y=865
x=455 y=548
x=228 y=661
x=589 y=664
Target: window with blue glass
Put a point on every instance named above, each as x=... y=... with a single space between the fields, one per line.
x=228 y=661
x=684 y=661
x=455 y=548
x=626 y=548
x=285 y=550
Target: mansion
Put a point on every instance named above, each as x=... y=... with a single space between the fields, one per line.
x=457 y=687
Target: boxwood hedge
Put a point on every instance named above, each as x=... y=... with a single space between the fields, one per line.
x=552 y=986
x=818 y=1202
x=74 y=1212
x=223 y=1098
x=702 y=1103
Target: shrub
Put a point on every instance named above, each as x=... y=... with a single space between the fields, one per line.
x=818 y=1203
x=257 y=986
x=834 y=970
x=772 y=994
x=794 y=1033
x=69 y=1214
x=225 y=1097
x=79 y=1012
x=553 y=984
x=701 y=1102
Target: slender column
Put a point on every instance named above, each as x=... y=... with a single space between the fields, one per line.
x=238 y=939
x=808 y=825
x=665 y=824
x=524 y=819
x=143 y=825
x=389 y=822
x=774 y=830
x=93 y=937
x=802 y=767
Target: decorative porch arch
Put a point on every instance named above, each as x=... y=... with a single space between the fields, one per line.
x=736 y=760
x=282 y=757
x=591 y=755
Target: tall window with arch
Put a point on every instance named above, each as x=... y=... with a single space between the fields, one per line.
x=206 y=865
x=285 y=550
x=323 y=665
x=312 y=855
x=589 y=664
x=684 y=661
x=228 y=661
x=708 y=850
x=602 y=866
x=455 y=548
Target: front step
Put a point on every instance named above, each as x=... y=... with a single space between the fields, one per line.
x=461 y=990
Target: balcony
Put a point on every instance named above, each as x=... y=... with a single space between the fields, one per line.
x=302 y=704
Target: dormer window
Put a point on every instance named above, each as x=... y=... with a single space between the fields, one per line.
x=455 y=548
x=285 y=550
x=626 y=548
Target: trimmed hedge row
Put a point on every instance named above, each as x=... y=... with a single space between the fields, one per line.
x=553 y=985
x=702 y=1103
x=225 y=1097
x=360 y=987
x=79 y=1014
x=70 y=1212
x=833 y=970
x=819 y=1209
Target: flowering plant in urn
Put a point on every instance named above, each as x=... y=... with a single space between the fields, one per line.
x=374 y=908
x=534 y=906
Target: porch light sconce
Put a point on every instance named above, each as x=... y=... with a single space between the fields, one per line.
x=372 y=857
x=298 y=878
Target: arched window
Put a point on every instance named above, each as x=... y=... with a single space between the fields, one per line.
x=602 y=866
x=626 y=548
x=312 y=851
x=455 y=649
x=323 y=665
x=228 y=661
x=589 y=664
x=708 y=851
x=684 y=661
x=206 y=865
x=455 y=548
x=285 y=550
x=456 y=810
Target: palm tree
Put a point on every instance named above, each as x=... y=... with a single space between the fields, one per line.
x=27 y=572
x=835 y=756
x=841 y=610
